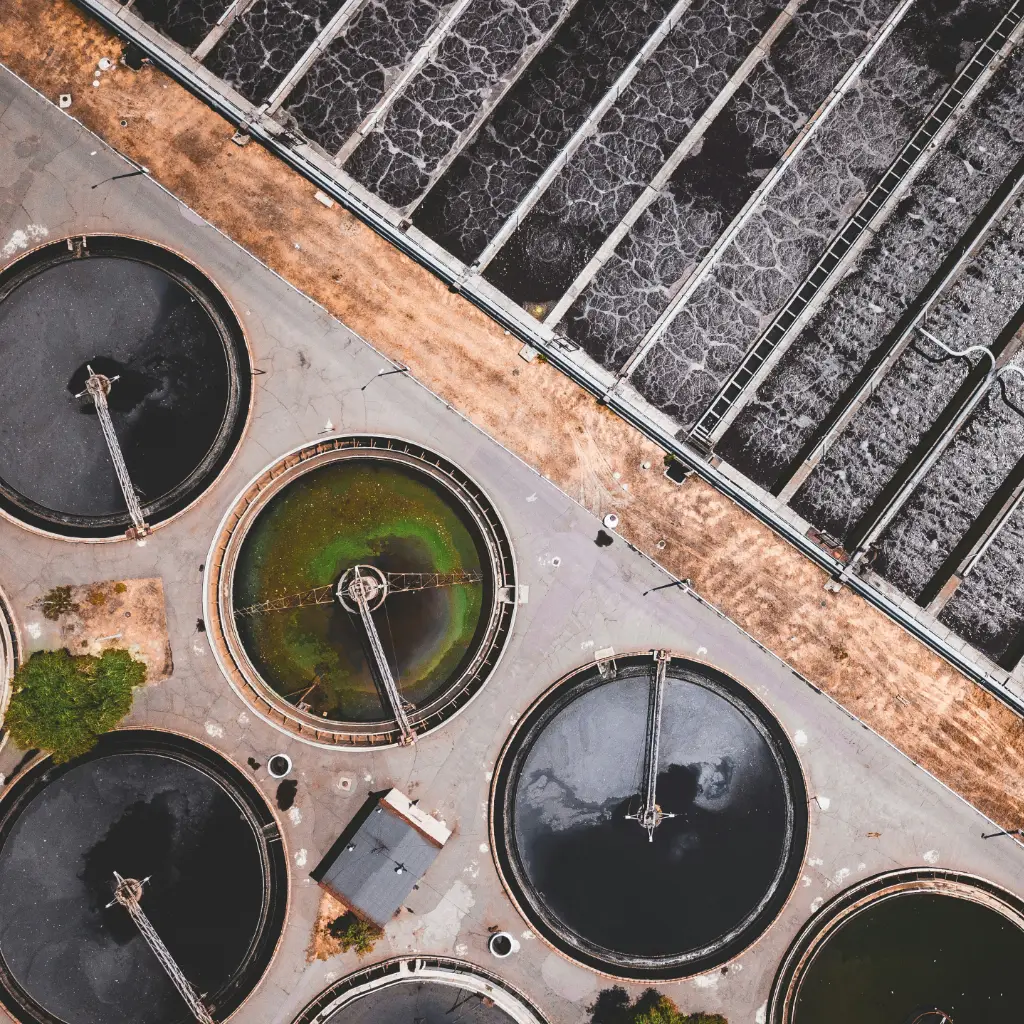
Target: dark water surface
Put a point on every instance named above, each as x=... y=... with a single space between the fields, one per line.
x=122 y=317
x=708 y=870
x=359 y=512
x=911 y=953
x=421 y=1002
x=142 y=815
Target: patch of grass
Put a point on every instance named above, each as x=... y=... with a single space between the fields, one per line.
x=63 y=702
x=354 y=933
x=120 y=588
x=57 y=602
x=96 y=597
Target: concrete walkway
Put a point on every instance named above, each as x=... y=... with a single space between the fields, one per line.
x=872 y=809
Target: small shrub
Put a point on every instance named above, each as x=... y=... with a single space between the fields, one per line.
x=63 y=702
x=354 y=933
x=57 y=602
x=97 y=597
x=651 y=1007
x=120 y=588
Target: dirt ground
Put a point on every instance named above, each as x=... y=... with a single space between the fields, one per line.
x=323 y=945
x=129 y=614
x=954 y=728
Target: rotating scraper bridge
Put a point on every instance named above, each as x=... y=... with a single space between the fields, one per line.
x=361 y=590
x=620 y=259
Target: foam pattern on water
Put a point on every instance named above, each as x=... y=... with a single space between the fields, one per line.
x=427 y=123
x=611 y=169
x=747 y=138
x=551 y=99
x=988 y=607
x=977 y=461
x=265 y=42
x=866 y=306
x=187 y=22
x=893 y=420
x=351 y=75
x=767 y=261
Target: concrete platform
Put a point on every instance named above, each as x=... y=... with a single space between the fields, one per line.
x=871 y=809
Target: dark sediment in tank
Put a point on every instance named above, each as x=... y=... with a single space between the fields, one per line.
x=147 y=805
x=953 y=198
x=425 y=127
x=132 y=310
x=765 y=263
x=988 y=606
x=913 y=950
x=187 y=22
x=266 y=41
x=535 y=119
x=585 y=874
x=600 y=182
x=352 y=74
x=709 y=187
x=424 y=1002
x=360 y=512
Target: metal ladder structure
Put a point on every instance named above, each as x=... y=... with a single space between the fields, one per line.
x=128 y=893
x=397 y=583
x=651 y=815
x=709 y=427
x=97 y=387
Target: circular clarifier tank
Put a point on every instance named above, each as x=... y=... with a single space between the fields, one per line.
x=165 y=338
x=432 y=990
x=913 y=947
x=373 y=520
x=9 y=651
x=638 y=883
x=160 y=809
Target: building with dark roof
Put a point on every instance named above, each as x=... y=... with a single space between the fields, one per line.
x=375 y=868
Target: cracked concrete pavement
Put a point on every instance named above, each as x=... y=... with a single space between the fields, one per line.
x=872 y=809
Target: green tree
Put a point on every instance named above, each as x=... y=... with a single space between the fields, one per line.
x=63 y=702
x=613 y=1006
x=354 y=933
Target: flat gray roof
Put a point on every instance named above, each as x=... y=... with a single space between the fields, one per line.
x=376 y=870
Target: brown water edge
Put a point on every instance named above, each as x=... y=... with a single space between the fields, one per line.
x=366 y=512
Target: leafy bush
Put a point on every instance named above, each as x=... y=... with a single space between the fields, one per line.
x=354 y=933
x=57 y=602
x=651 y=1007
x=64 y=702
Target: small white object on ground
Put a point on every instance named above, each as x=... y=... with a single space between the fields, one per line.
x=611 y=521
x=324 y=198
x=502 y=944
x=64 y=100
x=527 y=352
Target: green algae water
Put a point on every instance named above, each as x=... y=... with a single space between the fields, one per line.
x=901 y=957
x=359 y=512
